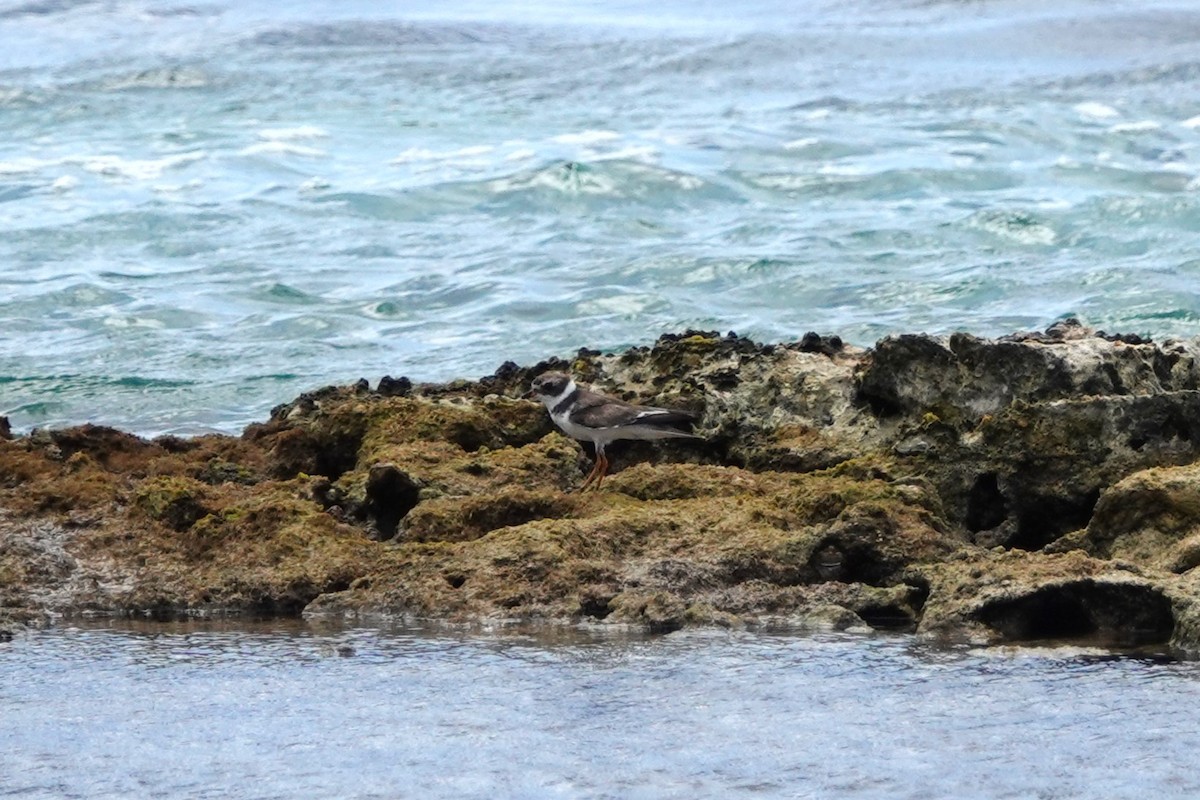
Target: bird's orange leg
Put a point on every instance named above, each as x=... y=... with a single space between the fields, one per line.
x=591 y=476
x=603 y=465
x=599 y=469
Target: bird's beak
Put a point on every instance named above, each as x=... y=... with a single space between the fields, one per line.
x=528 y=395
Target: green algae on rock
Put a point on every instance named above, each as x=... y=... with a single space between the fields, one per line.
x=1036 y=486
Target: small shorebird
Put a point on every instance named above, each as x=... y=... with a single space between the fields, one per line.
x=590 y=416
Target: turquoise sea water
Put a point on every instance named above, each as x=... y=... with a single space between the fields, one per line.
x=207 y=208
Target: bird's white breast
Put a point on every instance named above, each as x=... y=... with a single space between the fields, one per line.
x=594 y=435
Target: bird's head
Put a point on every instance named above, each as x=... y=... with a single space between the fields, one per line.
x=551 y=386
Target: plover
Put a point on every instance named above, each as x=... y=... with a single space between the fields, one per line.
x=590 y=416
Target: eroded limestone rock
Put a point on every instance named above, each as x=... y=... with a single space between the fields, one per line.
x=912 y=486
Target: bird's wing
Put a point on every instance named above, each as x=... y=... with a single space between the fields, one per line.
x=597 y=411
x=664 y=418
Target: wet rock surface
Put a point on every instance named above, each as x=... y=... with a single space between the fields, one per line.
x=1038 y=486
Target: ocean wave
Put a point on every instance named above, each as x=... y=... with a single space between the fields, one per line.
x=41 y=8
x=296 y=132
x=588 y=137
x=106 y=165
x=889 y=184
x=1103 y=174
x=372 y=33
x=1019 y=227
x=1093 y=110
x=606 y=180
x=460 y=155
x=158 y=78
x=282 y=148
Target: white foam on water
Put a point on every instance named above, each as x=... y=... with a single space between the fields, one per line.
x=571 y=183
x=624 y=304
x=1176 y=166
x=669 y=139
x=1191 y=122
x=586 y=137
x=280 y=148
x=111 y=166
x=474 y=150
x=175 y=188
x=420 y=154
x=25 y=166
x=844 y=170
x=291 y=134
x=414 y=154
x=1144 y=126
x=1094 y=110
x=801 y=144
x=689 y=183
x=133 y=322
x=523 y=154
x=1020 y=232
x=784 y=182
x=642 y=152
x=64 y=183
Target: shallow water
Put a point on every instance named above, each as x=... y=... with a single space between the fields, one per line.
x=286 y=710
x=206 y=208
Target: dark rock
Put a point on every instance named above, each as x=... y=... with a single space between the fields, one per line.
x=394 y=387
x=815 y=343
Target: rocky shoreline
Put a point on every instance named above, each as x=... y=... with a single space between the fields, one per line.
x=1041 y=485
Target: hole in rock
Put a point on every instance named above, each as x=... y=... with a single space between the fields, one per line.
x=1041 y=520
x=337 y=455
x=288 y=605
x=595 y=607
x=852 y=560
x=1117 y=613
x=468 y=436
x=888 y=617
x=985 y=504
x=1170 y=425
x=391 y=494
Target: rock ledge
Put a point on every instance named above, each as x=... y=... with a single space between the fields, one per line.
x=1038 y=486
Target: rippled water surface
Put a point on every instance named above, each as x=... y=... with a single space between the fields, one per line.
x=292 y=711
x=208 y=207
